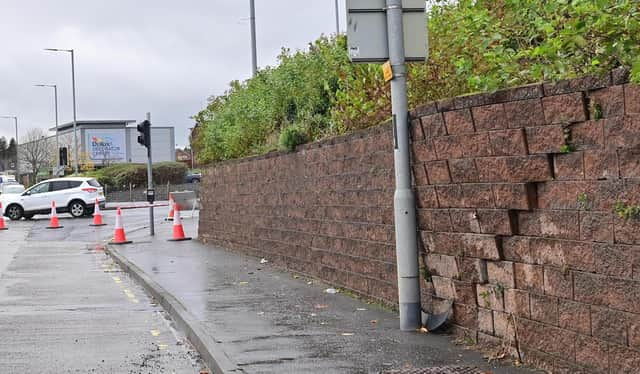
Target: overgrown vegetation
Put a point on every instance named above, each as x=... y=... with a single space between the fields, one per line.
x=476 y=45
x=121 y=175
x=626 y=211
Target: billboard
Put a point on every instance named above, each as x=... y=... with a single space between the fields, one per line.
x=106 y=145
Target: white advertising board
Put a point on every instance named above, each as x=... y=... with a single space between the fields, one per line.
x=107 y=144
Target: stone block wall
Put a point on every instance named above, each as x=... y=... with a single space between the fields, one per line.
x=325 y=210
x=517 y=210
x=519 y=195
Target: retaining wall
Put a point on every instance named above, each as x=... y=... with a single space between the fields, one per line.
x=519 y=198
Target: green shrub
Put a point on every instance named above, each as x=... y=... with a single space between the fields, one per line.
x=168 y=172
x=475 y=45
x=292 y=136
x=121 y=175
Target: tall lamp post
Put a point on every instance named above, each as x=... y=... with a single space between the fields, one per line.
x=337 y=18
x=75 y=120
x=15 y=119
x=55 y=101
x=252 y=19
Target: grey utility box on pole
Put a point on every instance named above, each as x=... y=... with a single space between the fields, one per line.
x=367 y=30
x=396 y=30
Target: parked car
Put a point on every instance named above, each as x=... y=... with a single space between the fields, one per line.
x=11 y=188
x=74 y=195
x=7 y=179
x=193 y=177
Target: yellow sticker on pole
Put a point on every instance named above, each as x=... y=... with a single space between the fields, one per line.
x=387 y=70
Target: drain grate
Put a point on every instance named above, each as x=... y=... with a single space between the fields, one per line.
x=438 y=370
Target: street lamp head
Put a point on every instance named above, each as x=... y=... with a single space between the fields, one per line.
x=44 y=85
x=14 y=117
x=58 y=50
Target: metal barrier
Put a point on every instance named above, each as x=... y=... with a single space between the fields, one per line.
x=186 y=200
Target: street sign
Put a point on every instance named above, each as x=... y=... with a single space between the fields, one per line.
x=367 y=30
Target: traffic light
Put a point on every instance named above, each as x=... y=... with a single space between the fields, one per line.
x=63 y=156
x=144 y=131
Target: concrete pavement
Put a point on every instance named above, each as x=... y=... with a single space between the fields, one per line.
x=66 y=307
x=264 y=320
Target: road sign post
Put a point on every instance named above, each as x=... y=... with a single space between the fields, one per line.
x=377 y=32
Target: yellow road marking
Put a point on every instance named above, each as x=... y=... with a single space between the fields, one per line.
x=155 y=332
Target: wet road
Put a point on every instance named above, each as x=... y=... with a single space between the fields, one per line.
x=65 y=307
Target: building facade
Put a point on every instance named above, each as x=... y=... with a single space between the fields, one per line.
x=106 y=142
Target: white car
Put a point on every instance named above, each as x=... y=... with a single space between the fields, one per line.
x=74 y=195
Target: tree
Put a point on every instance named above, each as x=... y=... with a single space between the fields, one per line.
x=10 y=154
x=36 y=150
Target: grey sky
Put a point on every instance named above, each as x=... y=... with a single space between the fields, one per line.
x=134 y=56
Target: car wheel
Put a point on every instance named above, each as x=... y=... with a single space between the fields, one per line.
x=195 y=180
x=14 y=212
x=77 y=208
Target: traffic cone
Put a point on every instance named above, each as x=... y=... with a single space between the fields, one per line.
x=171 y=208
x=54 y=223
x=118 y=236
x=97 y=216
x=178 y=231
x=2 y=225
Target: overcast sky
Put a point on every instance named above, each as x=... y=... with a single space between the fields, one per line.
x=135 y=56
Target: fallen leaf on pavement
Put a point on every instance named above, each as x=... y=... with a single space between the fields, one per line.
x=423 y=330
x=347 y=334
x=321 y=306
x=374 y=321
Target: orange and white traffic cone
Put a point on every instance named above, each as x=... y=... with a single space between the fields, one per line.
x=171 y=209
x=97 y=216
x=2 y=225
x=118 y=236
x=54 y=223
x=178 y=230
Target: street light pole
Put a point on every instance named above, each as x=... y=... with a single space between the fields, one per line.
x=15 y=119
x=55 y=101
x=75 y=120
x=403 y=200
x=254 y=57
x=337 y=19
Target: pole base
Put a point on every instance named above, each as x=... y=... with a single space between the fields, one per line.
x=178 y=240
x=410 y=316
x=93 y=225
x=54 y=228
x=121 y=243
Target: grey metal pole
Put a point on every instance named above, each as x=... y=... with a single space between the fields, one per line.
x=17 y=154
x=55 y=96
x=337 y=19
x=403 y=200
x=75 y=120
x=150 y=180
x=254 y=57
